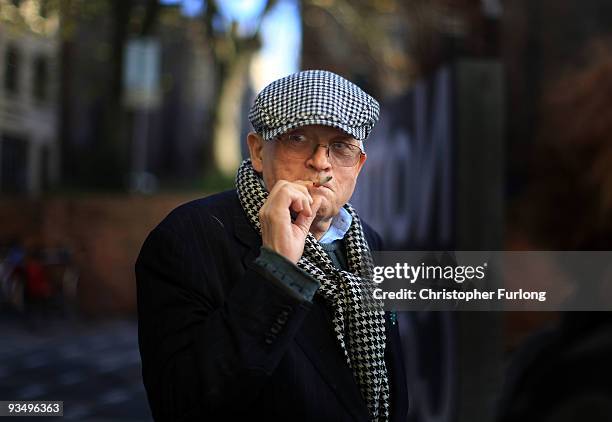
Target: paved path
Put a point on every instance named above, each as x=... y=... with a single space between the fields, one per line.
x=94 y=368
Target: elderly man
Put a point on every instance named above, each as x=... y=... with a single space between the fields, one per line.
x=255 y=303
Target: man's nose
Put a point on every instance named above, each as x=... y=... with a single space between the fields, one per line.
x=320 y=157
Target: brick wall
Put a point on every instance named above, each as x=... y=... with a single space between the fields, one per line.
x=104 y=233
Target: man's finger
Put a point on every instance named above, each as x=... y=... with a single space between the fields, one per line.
x=316 y=204
x=306 y=210
x=305 y=221
x=304 y=186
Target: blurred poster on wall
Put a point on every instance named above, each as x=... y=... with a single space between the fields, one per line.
x=141 y=73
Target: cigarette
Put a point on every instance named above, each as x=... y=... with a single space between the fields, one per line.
x=322 y=181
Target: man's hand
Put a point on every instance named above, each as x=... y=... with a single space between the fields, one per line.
x=278 y=231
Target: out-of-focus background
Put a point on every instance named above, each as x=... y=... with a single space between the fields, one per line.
x=494 y=134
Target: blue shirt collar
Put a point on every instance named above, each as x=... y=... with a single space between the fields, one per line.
x=339 y=226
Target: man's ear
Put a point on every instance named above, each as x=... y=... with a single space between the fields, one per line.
x=256 y=145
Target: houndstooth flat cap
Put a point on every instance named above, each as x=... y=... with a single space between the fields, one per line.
x=313 y=97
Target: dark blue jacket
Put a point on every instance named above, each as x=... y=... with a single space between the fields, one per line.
x=221 y=341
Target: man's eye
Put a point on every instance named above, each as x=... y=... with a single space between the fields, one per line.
x=297 y=139
x=341 y=147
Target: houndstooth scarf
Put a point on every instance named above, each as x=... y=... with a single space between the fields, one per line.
x=358 y=319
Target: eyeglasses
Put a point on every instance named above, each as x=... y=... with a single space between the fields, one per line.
x=339 y=153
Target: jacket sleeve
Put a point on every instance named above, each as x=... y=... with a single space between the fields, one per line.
x=207 y=353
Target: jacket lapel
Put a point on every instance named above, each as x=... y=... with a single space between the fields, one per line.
x=247 y=236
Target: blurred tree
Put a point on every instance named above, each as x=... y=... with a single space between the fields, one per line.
x=232 y=49
x=363 y=40
x=387 y=44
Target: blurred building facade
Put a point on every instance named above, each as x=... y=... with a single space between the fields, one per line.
x=29 y=45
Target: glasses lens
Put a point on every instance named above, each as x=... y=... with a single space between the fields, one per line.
x=344 y=154
x=296 y=146
x=340 y=153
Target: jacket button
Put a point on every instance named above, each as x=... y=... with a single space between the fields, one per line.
x=275 y=329
x=269 y=339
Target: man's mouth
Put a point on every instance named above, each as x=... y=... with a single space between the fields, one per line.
x=321 y=189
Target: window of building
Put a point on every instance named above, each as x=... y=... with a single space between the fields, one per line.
x=13 y=165
x=45 y=172
x=40 y=83
x=11 y=72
